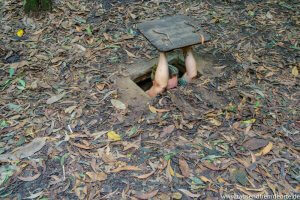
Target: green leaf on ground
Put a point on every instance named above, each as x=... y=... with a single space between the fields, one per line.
x=21 y=141
x=22 y=82
x=89 y=30
x=63 y=158
x=240 y=176
x=197 y=181
x=132 y=131
x=3 y=124
x=6 y=171
x=249 y=121
x=11 y=72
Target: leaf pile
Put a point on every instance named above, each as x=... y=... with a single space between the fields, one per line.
x=64 y=132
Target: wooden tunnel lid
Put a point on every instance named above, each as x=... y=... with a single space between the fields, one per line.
x=173 y=32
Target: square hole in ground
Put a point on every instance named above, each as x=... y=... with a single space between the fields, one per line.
x=145 y=82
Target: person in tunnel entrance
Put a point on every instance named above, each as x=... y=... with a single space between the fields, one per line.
x=166 y=76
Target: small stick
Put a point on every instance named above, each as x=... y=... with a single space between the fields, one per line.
x=196 y=28
x=155 y=31
x=70 y=129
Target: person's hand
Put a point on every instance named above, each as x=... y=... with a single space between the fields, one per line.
x=172 y=83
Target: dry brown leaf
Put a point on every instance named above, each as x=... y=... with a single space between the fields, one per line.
x=56 y=59
x=297 y=189
x=204 y=179
x=269 y=74
x=144 y=176
x=176 y=195
x=179 y=175
x=133 y=16
x=215 y=168
x=75 y=39
x=295 y=71
x=97 y=176
x=107 y=37
x=118 y=104
x=156 y=110
x=94 y=164
x=169 y=172
x=210 y=166
x=221 y=180
x=82 y=146
x=70 y=109
x=38 y=32
x=147 y=195
x=236 y=125
x=20 y=125
x=253 y=157
x=55 y=98
x=19 y=64
x=108 y=158
x=126 y=37
x=126 y=168
x=189 y=194
x=243 y=162
x=248 y=132
x=167 y=130
x=184 y=167
x=215 y=122
x=152 y=109
x=130 y=54
x=255 y=143
x=25 y=151
x=129 y=145
x=162 y=165
x=77 y=135
x=251 y=191
x=78 y=28
x=29 y=178
x=100 y=86
x=169 y=168
x=30 y=131
x=80 y=47
x=162 y=110
x=42 y=57
x=265 y=150
x=81 y=191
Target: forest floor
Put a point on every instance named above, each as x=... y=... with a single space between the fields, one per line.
x=64 y=134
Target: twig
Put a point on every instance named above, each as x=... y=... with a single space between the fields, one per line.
x=196 y=28
x=64 y=172
x=109 y=93
x=70 y=129
x=155 y=31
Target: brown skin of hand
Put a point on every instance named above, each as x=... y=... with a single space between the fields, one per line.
x=172 y=82
x=156 y=89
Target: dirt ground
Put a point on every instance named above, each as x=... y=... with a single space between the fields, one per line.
x=65 y=134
